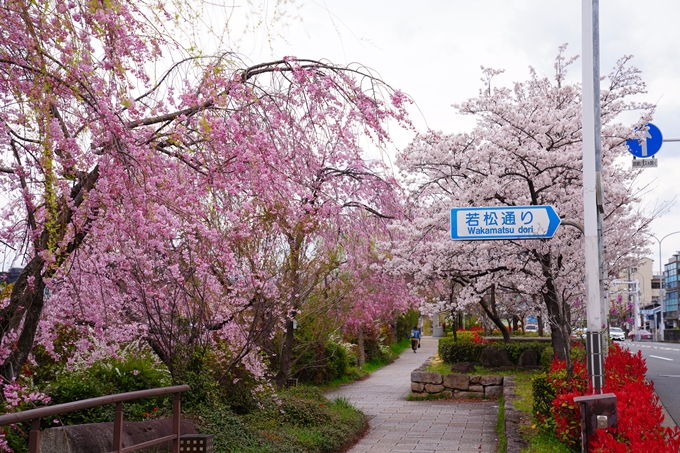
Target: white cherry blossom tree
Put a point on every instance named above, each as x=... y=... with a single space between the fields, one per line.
x=525 y=150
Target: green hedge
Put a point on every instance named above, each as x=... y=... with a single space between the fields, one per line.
x=544 y=395
x=451 y=351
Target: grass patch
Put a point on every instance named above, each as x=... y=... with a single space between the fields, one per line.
x=540 y=441
x=400 y=346
x=438 y=366
x=546 y=442
x=500 y=426
x=351 y=375
x=395 y=350
x=355 y=373
x=523 y=390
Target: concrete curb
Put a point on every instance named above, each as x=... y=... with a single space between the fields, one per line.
x=513 y=417
x=667 y=419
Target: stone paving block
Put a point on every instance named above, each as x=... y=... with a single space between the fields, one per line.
x=397 y=425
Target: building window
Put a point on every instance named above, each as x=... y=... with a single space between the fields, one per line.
x=672 y=301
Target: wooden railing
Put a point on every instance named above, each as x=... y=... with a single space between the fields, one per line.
x=34 y=415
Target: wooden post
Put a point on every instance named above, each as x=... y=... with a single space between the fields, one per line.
x=175 y=423
x=34 y=436
x=118 y=428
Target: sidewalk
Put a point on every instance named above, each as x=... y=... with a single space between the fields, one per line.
x=397 y=425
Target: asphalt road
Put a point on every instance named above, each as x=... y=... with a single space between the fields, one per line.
x=663 y=367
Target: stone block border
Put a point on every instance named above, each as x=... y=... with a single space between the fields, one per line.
x=424 y=383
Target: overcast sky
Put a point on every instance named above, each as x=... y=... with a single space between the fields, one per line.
x=433 y=51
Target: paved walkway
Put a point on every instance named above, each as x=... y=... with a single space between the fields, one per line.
x=397 y=425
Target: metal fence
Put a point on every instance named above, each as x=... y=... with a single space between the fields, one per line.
x=34 y=416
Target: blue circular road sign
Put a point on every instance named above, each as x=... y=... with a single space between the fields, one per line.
x=649 y=145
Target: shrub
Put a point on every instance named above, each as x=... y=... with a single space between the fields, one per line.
x=376 y=351
x=547 y=357
x=230 y=433
x=517 y=348
x=405 y=323
x=70 y=387
x=200 y=373
x=544 y=395
x=639 y=413
x=104 y=377
x=469 y=348
x=463 y=350
x=337 y=360
x=298 y=419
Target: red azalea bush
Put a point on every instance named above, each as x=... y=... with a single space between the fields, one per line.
x=639 y=413
x=471 y=335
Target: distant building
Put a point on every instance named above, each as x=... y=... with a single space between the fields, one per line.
x=10 y=276
x=647 y=294
x=670 y=284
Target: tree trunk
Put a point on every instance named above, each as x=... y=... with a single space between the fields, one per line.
x=455 y=326
x=361 y=358
x=491 y=311
x=559 y=317
x=393 y=328
x=22 y=315
x=286 y=355
x=540 y=325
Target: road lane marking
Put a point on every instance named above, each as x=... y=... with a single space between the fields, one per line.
x=662 y=358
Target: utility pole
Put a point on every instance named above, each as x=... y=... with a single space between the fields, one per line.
x=598 y=410
x=592 y=193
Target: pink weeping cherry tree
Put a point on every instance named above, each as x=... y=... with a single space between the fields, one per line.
x=186 y=208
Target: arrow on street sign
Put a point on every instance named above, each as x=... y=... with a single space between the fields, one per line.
x=503 y=222
x=649 y=145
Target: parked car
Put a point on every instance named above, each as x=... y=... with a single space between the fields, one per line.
x=644 y=335
x=616 y=334
x=531 y=328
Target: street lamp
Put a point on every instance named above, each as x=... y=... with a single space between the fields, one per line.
x=661 y=294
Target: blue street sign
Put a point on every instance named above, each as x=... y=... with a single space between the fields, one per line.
x=649 y=145
x=503 y=222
